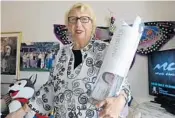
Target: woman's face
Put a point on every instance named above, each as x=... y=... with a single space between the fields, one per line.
x=80 y=26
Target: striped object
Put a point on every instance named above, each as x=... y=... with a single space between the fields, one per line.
x=7 y=98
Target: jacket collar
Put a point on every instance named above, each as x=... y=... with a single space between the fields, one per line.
x=87 y=47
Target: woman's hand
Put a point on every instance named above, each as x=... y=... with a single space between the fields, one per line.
x=111 y=107
x=19 y=113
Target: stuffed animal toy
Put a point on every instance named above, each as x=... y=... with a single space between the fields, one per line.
x=21 y=91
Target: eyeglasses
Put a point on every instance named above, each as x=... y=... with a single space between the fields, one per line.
x=83 y=19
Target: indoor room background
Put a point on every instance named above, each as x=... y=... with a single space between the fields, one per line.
x=35 y=20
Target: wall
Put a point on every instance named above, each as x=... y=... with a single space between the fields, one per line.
x=36 y=19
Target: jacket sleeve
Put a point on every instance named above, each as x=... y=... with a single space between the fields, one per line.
x=126 y=89
x=42 y=101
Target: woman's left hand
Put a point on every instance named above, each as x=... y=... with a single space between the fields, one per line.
x=111 y=107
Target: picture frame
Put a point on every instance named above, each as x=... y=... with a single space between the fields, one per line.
x=38 y=56
x=10 y=54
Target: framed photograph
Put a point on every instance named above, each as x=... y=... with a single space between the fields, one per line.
x=10 y=53
x=38 y=56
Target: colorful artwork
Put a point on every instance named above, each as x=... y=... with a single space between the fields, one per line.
x=38 y=56
x=155 y=35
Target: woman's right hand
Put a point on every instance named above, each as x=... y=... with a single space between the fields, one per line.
x=19 y=113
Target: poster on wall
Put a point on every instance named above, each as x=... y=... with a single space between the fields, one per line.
x=38 y=56
x=10 y=49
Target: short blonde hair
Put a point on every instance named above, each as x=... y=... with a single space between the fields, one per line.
x=83 y=7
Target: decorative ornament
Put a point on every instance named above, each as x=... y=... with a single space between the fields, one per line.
x=155 y=35
x=112 y=26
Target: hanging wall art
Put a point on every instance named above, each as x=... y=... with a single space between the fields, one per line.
x=38 y=56
x=10 y=48
x=155 y=35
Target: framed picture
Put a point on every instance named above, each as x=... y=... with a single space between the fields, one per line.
x=38 y=56
x=10 y=53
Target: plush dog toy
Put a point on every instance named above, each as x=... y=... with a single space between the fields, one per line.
x=21 y=91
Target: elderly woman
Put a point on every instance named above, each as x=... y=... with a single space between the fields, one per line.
x=71 y=80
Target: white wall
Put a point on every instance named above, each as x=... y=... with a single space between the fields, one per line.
x=36 y=19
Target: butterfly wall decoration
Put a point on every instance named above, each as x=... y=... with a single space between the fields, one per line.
x=154 y=36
